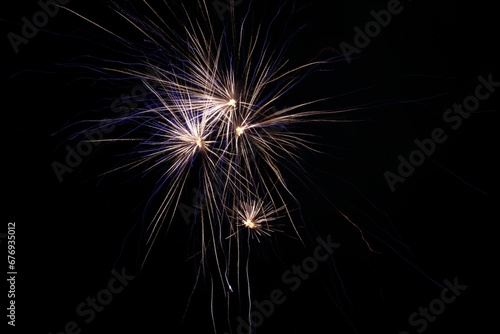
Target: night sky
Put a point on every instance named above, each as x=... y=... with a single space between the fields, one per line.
x=77 y=233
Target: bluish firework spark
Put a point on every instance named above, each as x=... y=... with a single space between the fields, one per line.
x=212 y=98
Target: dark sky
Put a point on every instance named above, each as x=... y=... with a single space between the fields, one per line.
x=437 y=225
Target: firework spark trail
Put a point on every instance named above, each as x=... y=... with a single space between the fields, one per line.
x=213 y=100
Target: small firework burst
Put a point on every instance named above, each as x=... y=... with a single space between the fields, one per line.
x=258 y=218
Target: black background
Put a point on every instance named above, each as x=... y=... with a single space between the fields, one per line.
x=439 y=224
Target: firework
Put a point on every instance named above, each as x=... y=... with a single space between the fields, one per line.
x=212 y=102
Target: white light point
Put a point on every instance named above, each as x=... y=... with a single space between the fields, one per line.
x=249 y=223
x=199 y=142
x=239 y=130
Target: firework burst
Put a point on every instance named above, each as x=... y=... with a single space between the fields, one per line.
x=257 y=217
x=212 y=98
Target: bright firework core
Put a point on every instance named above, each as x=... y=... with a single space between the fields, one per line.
x=249 y=223
x=239 y=130
x=232 y=103
x=199 y=142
